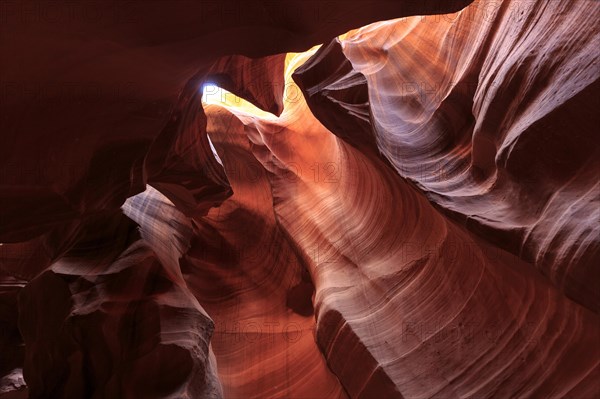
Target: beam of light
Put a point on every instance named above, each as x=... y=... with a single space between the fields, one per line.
x=215 y=95
x=245 y=110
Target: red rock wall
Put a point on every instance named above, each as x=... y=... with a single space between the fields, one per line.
x=407 y=211
x=490 y=111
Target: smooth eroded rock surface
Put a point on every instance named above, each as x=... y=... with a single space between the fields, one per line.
x=190 y=209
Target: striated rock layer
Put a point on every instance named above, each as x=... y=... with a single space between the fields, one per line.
x=408 y=303
x=98 y=99
x=407 y=211
x=491 y=112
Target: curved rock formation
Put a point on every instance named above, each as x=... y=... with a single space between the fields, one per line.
x=89 y=87
x=490 y=111
x=409 y=210
x=426 y=308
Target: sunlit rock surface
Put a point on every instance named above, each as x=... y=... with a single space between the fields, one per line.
x=490 y=111
x=409 y=210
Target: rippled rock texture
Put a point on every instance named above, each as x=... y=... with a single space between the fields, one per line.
x=409 y=209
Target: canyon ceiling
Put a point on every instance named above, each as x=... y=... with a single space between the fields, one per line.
x=300 y=199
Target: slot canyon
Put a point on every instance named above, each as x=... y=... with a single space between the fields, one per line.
x=300 y=199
